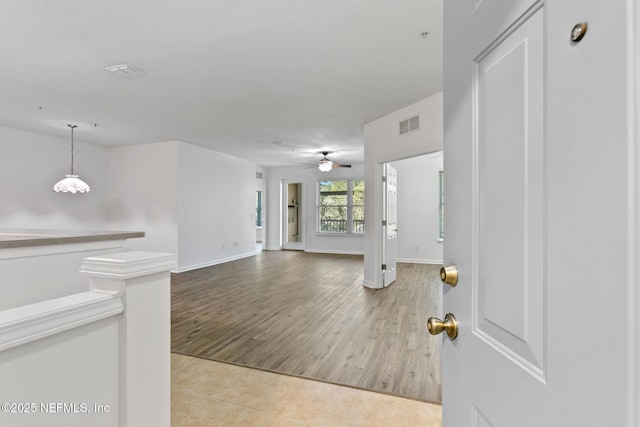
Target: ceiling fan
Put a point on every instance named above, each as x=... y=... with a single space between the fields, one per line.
x=325 y=164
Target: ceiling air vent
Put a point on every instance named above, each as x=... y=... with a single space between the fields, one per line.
x=409 y=125
x=124 y=70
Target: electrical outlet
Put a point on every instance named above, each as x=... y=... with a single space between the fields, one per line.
x=417 y=248
x=223 y=247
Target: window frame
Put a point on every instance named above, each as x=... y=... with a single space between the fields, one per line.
x=349 y=205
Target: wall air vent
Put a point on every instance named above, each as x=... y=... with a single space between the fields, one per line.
x=410 y=125
x=124 y=70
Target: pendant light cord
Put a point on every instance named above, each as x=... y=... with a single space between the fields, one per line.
x=72 y=128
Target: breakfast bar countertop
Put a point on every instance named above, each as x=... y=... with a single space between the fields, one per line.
x=18 y=238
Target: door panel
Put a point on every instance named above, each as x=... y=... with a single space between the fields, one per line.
x=540 y=160
x=391 y=228
x=508 y=211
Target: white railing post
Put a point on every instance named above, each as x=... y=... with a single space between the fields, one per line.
x=145 y=331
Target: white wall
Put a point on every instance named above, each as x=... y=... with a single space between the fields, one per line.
x=192 y=202
x=418 y=208
x=216 y=207
x=188 y=200
x=314 y=242
x=382 y=143
x=143 y=194
x=80 y=365
x=31 y=163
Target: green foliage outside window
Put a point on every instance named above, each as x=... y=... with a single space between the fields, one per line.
x=341 y=206
x=258 y=208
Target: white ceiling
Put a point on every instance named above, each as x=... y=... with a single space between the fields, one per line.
x=232 y=75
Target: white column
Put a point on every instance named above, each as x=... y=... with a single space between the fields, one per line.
x=145 y=331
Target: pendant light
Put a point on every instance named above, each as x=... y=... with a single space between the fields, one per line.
x=71 y=183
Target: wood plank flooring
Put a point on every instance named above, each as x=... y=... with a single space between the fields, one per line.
x=308 y=315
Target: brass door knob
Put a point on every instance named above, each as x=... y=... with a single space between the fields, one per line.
x=450 y=325
x=449 y=275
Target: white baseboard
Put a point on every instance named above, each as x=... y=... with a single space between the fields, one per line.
x=331 y=251
x=369 y=284
x=420 y=261
x=214 y=262
x=272 y=248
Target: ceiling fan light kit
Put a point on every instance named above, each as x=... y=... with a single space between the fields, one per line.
x=325 y=164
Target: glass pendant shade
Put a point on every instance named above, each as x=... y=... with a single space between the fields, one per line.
x=71 y=183
x=325 y=165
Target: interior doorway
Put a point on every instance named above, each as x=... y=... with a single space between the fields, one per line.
x=419 y=210
x=260 y=228
x=293 y=215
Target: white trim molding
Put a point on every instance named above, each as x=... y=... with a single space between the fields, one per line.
x=32 y=322
x=420 y=261
x=127 y=265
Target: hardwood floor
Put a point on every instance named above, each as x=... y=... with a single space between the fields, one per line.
x=308 y=315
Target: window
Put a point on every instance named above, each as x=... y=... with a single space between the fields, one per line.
x=441 y=211
x=258 y=208
x=341 y=206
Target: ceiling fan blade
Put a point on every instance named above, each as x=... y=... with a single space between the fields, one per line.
x=338 y=165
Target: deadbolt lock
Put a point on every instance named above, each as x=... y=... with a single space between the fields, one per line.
x=449 y=325
x=449 y=275
x=578 y=31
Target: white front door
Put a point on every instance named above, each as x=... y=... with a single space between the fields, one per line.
x=541 y=220
x=390 y=225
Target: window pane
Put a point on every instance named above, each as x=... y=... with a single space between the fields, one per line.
x=358 y=219
x=259 y=208
x=333 y=218
x=358 y=192
x=330 y=186
x=333 y=199
x=333 y=206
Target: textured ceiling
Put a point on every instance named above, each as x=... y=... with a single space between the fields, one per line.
x=234 y=75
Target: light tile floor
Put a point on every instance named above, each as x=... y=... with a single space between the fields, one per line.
x=206 y=393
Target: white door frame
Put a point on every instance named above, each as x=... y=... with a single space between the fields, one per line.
x=374 y=199
x=373 y=222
